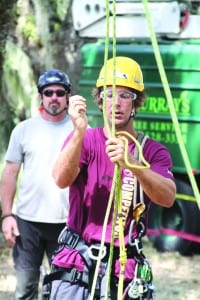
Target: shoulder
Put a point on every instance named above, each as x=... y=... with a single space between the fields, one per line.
x=156 y=152
x=154 y=146
x=23 y=124
x=29 y=121
x=94 y=139
x=158 y=156
x=150 y=148
x=95 y=134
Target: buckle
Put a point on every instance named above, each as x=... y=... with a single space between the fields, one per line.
x=68 y=238
x=75 y=275
x=93 y=251
x=72 y=239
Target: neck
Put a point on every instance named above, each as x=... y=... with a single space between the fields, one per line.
x=128 y=128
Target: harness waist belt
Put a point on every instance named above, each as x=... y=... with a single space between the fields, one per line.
x=72 y=275
x=72 y=240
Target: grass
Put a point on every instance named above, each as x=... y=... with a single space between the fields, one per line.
x=176 y=277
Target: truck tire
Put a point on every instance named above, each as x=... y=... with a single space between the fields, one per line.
x=183 y=216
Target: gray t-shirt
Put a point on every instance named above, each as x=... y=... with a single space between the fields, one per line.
x=36 y=143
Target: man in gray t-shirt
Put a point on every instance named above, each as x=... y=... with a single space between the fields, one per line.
x=33 y=222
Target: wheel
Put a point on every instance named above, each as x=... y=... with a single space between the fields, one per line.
x=182 y=217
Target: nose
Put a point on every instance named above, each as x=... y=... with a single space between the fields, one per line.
x=117 y=99
x=54 y=96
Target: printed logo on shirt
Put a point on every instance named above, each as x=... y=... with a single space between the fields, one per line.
x=127 y=190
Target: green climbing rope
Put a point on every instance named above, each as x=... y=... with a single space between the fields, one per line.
x=170 y=103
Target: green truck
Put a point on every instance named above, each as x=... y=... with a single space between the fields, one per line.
x=176 y=24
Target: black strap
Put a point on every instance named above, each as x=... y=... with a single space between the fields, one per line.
x=71 y=275
x=140 y=139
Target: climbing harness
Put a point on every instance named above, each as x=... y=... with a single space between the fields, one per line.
x=70 y=239
x=91 y=253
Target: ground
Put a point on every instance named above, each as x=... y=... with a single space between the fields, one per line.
x=175 y=277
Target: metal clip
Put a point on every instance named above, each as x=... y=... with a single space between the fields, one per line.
x=141 y=284
x=136 y=242
x=133 y=291
x=93 y=252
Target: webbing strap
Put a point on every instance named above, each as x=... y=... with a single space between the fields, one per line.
x=72 y=276
x=142 y=138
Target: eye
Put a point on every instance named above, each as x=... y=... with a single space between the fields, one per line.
x=109 y=94
x=125 y=95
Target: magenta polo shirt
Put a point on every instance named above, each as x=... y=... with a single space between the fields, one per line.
x=89 y=194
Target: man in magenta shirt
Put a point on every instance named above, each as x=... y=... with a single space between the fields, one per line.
x=86 y=164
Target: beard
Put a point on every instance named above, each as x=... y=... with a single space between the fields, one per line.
x=54 y=109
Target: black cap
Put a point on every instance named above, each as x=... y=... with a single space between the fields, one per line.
x=54 y=77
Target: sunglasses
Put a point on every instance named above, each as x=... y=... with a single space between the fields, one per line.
x=123 y=95
x=59 y=93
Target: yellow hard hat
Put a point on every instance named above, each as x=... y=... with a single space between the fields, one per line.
x=127 y=73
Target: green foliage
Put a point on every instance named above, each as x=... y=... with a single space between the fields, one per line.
x=29 y=30
x=29 y=44
x=62 y=8
x=18 y=91
x=8 y=14
x=19 y=83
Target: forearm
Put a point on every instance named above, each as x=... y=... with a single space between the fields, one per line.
x=159 y=189
x=66 y=167
x=8 y=189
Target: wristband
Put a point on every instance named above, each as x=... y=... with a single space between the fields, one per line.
x=7 y=215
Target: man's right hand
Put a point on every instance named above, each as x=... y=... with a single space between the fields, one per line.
x=77 y=112
x=10 y=229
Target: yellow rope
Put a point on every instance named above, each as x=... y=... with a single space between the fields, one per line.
x=146 y=164
x=115 y=194
x=122 y=252
x=102 y=242
x=171 y=103
x=117 y=182
x=185 y=197
x=111 y=197
x=106 y=124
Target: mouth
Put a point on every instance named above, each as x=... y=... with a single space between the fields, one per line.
x=53 y=104
x=118 y=115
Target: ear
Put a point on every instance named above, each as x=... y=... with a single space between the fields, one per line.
x=40 y=96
